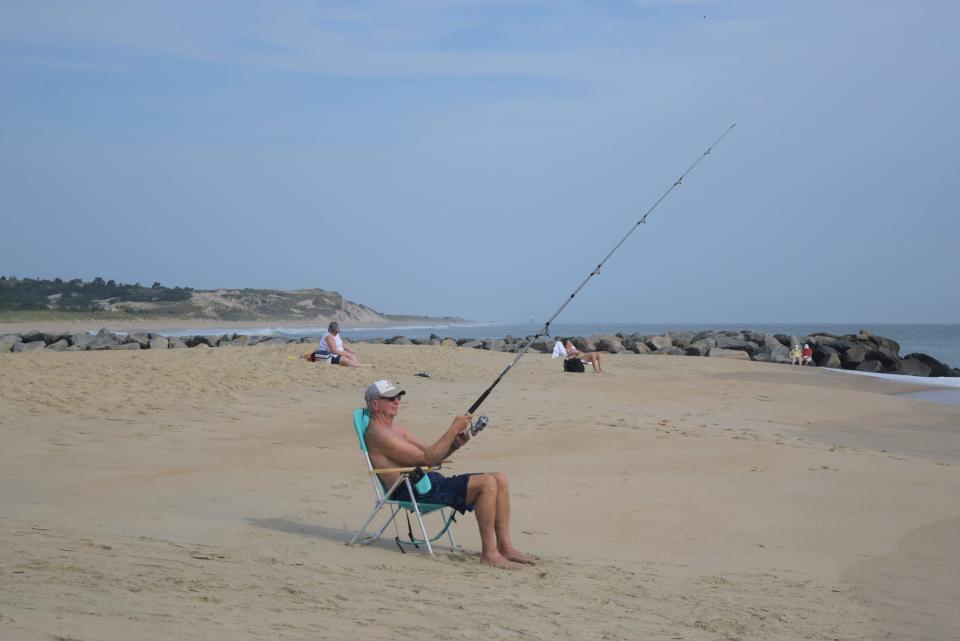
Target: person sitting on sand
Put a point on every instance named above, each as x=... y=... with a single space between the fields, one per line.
x=796 y=355
x=391 y=445
x=587 y=357
x=807 y=354
x=332 y=348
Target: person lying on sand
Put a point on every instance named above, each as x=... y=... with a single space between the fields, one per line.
x=391 y=445
x=332 y=348
x=587 y=357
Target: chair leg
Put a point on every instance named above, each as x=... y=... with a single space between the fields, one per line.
x=453 y=544
x=366 y=523
x=380 y=504
x=423 y=528
x=394 y=512
x=376 y=509
x=393 y=516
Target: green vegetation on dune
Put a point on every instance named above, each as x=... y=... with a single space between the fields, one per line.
x=24 y=294
x=34 y=299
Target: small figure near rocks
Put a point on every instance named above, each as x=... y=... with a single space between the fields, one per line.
x=796 y=355
x=587 y=357
x=807 y=354
x=333 y=350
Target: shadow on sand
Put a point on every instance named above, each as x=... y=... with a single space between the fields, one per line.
x=337 y=535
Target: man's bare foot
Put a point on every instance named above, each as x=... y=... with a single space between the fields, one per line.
x=499 y=561
x=517 y=556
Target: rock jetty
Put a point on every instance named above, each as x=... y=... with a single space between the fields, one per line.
x=863 y=351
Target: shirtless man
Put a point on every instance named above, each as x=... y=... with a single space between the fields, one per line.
x=390 y=445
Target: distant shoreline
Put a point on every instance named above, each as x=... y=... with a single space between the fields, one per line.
x=164 y=325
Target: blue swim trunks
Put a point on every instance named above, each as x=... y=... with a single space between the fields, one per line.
x=450 y=491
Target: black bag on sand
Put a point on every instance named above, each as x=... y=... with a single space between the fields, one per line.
x=573 y=365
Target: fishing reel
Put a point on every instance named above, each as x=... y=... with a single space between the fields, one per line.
x=477 y=425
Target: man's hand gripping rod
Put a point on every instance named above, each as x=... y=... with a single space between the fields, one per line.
x=481 y=421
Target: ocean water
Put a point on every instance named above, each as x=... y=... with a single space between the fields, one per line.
x=940 y=341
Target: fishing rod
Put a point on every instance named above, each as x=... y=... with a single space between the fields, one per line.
x=481 y=421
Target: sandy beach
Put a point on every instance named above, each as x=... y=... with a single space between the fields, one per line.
x=208 y=494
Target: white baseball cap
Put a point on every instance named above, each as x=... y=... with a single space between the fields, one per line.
x=381 y=389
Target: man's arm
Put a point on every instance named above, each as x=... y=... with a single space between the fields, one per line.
x=407 y=450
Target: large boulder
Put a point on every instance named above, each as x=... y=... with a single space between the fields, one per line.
x=176 y=342
x=141 y=339
x=640 y=347
x=872 y=365
x=828 y=340
x=754 y=337
x=913 y=367
x=671 y=351
x=701 y=347
x=103 y=340
x=635 y=343
x=772 y=354
x=936 y=367
x=719 y=352
x=58 y=345
x=81 y=340
x=209 y=340
x=830 y=360
x=542 y=344
x=734 y=342
x=7 y=341
x=588 y=344
x=448 y=342
x=33 y=336
x=681 y=339
x=237 y=341
x=771 y=341
x=158 y=342
x=827 y=356
x=699 y=336
x=35 y=346
x=858 y=354
x=473 y=344
x=611 y=344
x=656 y=343
x=887 y=355
x=889 y=343
x=493 y=344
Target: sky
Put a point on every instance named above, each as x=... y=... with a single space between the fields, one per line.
x=479 y=158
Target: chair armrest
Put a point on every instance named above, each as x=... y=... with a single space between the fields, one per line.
x=389 y=470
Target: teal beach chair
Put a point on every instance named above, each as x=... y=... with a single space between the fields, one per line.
x=361 y=419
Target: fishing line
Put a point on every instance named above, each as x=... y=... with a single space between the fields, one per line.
x=545 y=331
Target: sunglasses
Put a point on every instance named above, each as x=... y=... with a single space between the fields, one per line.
x=390 y=400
